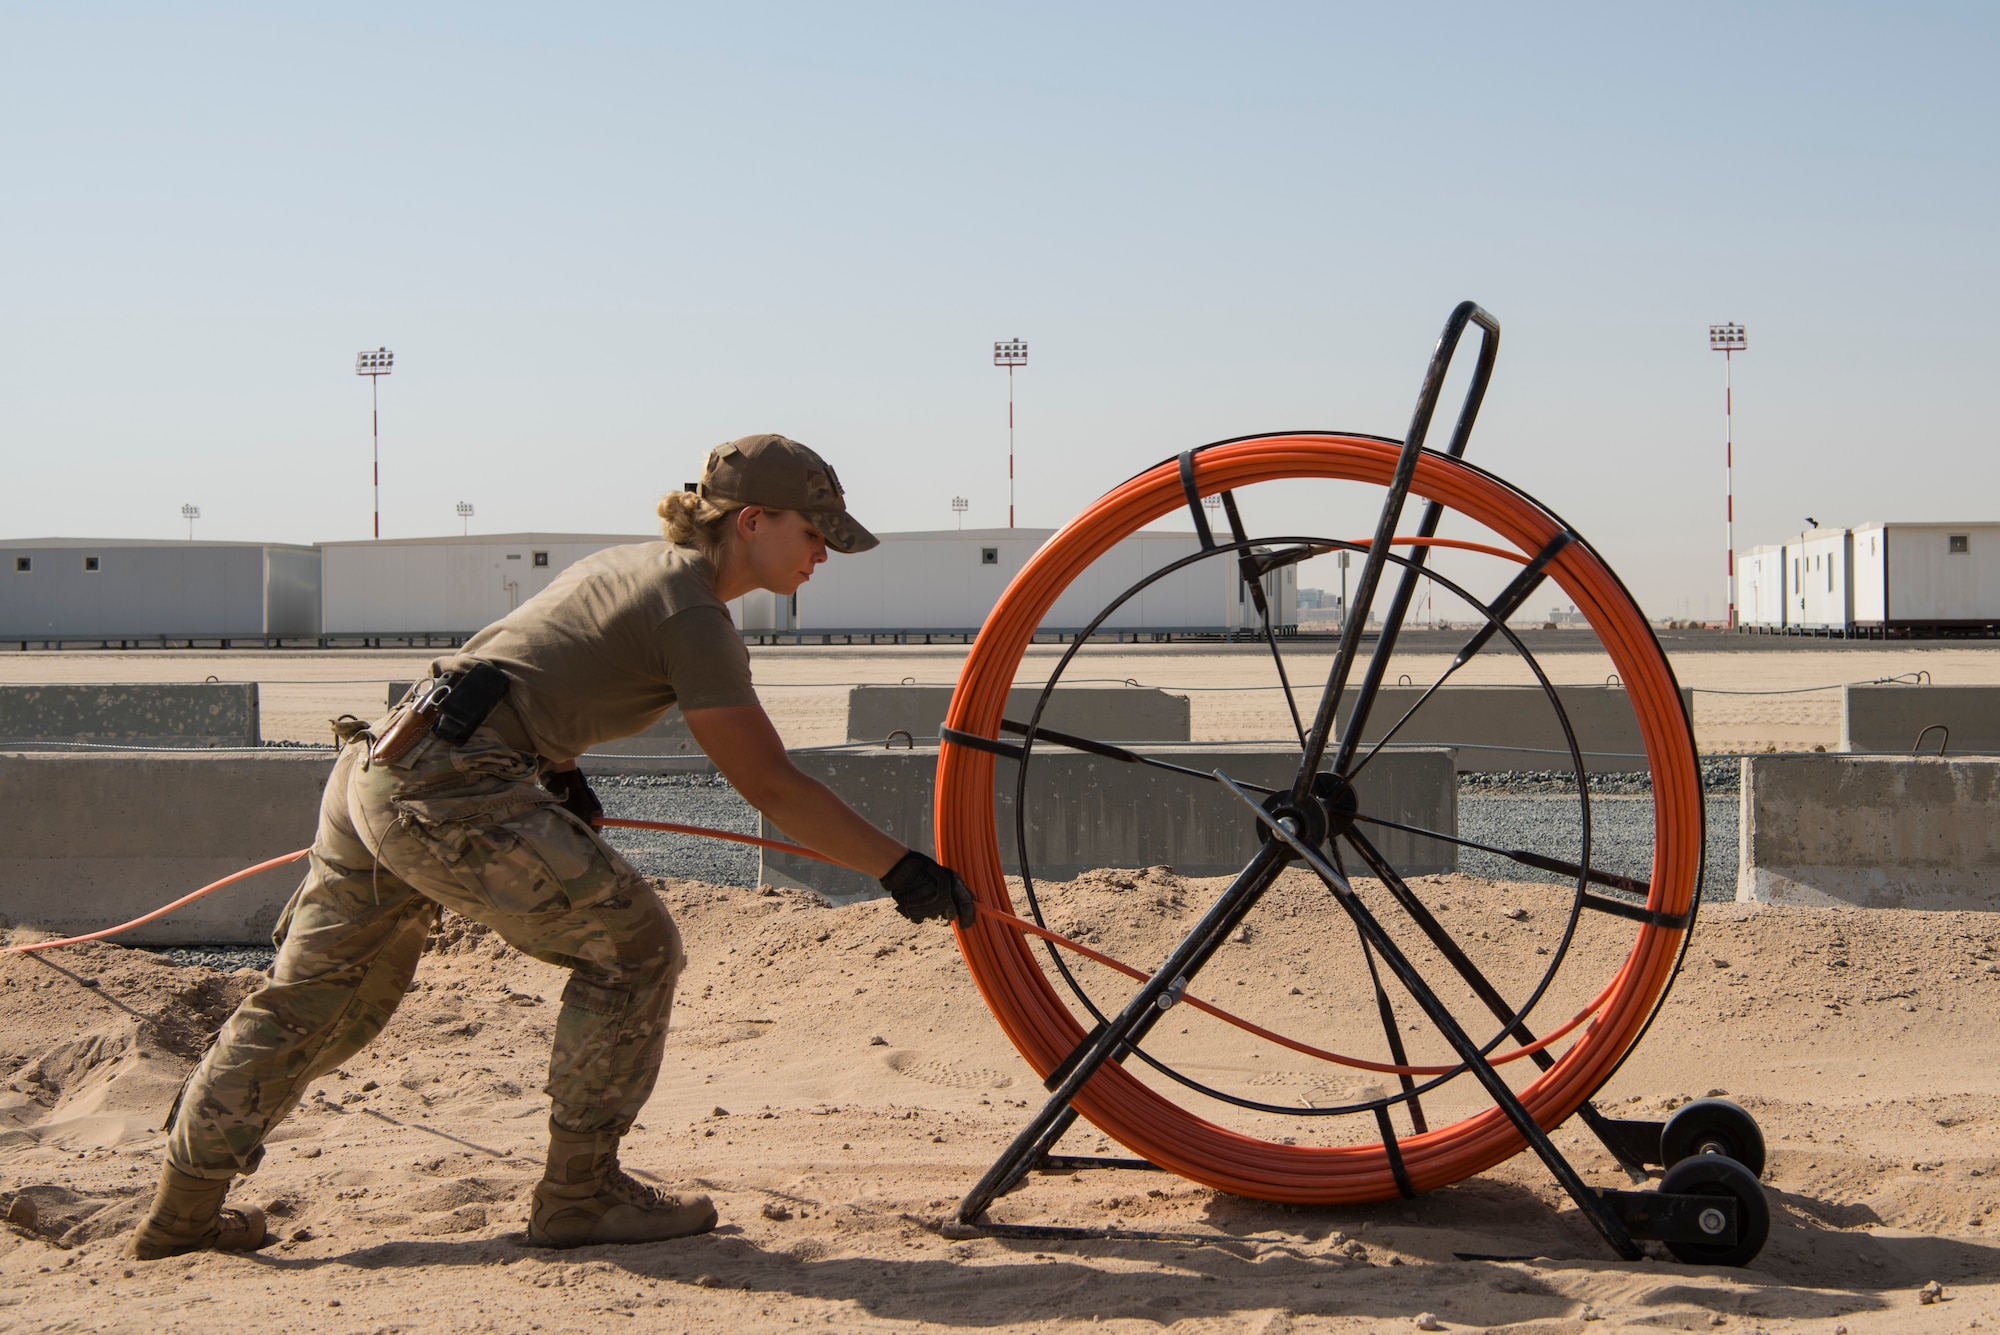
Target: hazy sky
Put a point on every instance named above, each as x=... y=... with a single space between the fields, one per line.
x=601 y=239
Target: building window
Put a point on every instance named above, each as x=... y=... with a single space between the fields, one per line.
x=1961 y=544
x=90 y=565
x=989 y=556
x=513 y=556
x=23 y=564
x=541 y=558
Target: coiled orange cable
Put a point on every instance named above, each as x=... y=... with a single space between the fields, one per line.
x=1039 y=1022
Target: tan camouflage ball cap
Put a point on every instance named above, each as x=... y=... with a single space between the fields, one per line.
x=785 y=475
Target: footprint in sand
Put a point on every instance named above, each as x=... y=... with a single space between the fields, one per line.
x=951 y=1074
x=722 y=1032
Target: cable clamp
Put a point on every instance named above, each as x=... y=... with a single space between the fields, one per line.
x=1193 y=495
x=1618 y=908
x=974 y=742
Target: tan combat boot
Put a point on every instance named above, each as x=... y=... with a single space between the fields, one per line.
x=586 y=1198
x=187 y=1216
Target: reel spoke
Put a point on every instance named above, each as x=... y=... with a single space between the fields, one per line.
x=1393 y=1033
x=1517 y=592
x=1112 y=752
x=1247 y=570
x=1522 y=856
x=1511 y=1021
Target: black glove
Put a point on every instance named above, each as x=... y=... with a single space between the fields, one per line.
x=924 y=890
x=574 y=790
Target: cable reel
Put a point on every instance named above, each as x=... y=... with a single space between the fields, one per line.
x=1319 y=823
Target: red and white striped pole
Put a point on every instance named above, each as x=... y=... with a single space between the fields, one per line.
x=1729 y=339
x=375 y=365
x=1010 y=354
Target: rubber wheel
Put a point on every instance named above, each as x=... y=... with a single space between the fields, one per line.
x=1040 y=1024
x=1713 y=1126
x=1719 y=1175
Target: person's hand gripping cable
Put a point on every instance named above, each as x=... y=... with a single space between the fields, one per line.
x=924 y=889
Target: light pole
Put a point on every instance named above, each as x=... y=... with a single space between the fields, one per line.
x=465 y=514
x=1729 y=339
x=375 y=365
x=190 y=512
x=1010 y=354
x=958 y=507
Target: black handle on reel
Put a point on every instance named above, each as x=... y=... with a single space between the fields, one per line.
x=1465 y=313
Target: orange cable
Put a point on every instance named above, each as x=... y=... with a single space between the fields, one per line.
x=777 y=845
x=161 y=911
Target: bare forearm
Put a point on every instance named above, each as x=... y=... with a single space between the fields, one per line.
x=808 y=811
x=745 y=747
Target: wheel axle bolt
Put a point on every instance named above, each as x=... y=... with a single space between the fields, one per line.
x=1711 y=1221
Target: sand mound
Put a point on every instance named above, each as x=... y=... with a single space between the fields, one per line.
x=834 y=1079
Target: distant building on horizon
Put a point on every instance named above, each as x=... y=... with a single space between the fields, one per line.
x=127 y=590
x=1876 y=580
x=448 y=588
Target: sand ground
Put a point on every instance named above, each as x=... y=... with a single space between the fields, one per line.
x=1232 y=689
x=834 y=1079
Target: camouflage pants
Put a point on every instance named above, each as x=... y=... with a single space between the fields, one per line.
x=466 y=827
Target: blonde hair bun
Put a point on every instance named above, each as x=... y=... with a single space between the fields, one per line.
x=688 y=520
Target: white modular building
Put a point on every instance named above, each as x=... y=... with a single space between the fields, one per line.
x=126 y=591
x=450 y=586
x=1760 y=588
x=1819 y=593
x=949 y=580
x=1927 y=578
x=456 y=586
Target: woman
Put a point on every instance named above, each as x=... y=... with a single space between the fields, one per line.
x=471 y=799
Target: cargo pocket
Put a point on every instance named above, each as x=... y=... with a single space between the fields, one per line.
x=513 y=851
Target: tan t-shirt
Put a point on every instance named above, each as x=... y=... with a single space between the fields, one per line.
x=614 y=642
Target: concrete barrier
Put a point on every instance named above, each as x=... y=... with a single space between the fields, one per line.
x=90 y=841
x=1888 y=719
x=1107 y=713
x=132 y=714
x=1087 y=812
x=1513 y=727
x=1870 y=831
x=666 y=747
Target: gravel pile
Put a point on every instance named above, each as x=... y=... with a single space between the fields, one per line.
x=1718 y=777
x=1621 y=835
x=684 y=799
x=226 y=958
x=1538 y=810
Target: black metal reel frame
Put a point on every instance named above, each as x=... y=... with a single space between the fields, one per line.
x=1285 y=821
x=1511 y=1017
